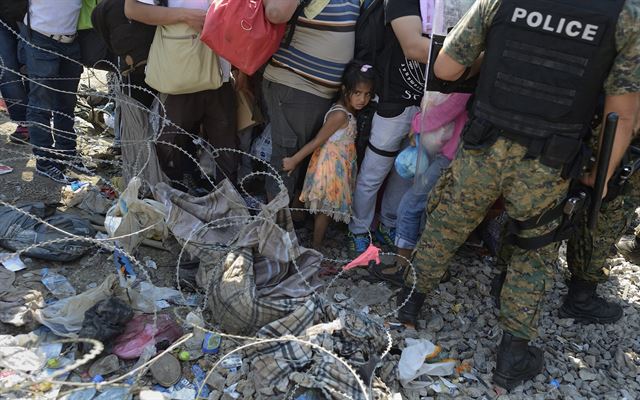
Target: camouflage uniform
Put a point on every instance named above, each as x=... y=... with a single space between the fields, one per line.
x=587 y=251
x=477 y=177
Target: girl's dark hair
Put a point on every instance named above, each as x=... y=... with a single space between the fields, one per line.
x=357 y=72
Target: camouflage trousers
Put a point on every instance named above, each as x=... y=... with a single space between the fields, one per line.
x=587 y=251
x=475 y=179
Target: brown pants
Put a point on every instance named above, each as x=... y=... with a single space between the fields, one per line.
x=210 y=114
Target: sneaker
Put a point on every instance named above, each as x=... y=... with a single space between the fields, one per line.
x=359 y=242
x=20 y=135
x=52 y=172
x=386 y=236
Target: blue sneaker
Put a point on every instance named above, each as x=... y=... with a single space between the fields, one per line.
x=359 y=242
x=386 y=236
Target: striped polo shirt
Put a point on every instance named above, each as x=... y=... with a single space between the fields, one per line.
x=319 y=50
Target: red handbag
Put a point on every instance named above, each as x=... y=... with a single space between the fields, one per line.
x=238 y=31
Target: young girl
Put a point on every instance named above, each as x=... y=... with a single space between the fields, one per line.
x=331 y=175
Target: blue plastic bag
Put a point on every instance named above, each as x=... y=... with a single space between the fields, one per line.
x=407 y=162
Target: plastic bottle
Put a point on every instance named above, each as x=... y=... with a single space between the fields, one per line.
x=211 y=343
x=57 y=284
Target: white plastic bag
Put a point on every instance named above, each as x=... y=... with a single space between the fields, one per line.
x=412 y=363
x=130 y=215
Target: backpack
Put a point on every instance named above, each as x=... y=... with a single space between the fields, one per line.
x=370 y=33
x=130 y=40
x=370 y=39
x=13 y=10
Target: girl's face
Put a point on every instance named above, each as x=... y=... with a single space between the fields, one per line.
x=360 y=96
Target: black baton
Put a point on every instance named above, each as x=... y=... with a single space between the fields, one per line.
x=604 y=157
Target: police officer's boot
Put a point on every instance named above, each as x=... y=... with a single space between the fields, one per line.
x=516 y=361
x=584 y=305
x=408 y=314
x=496 y=287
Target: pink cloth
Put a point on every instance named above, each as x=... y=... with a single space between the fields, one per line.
x=453 y=109
x=371 y=254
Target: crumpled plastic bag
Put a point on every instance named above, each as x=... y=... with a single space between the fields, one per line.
x=131 y=214
x=65 y=317
x=412 y=363
x=88 y=198
x=406 y=162
x=141 y=332
x=432 y=141
x=17 y=353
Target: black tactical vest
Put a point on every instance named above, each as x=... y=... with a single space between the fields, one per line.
x=544 y=66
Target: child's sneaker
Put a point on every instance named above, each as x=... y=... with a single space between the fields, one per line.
x=386 y=236
x=359 y=242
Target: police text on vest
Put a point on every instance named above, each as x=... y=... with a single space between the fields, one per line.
x=555 y=24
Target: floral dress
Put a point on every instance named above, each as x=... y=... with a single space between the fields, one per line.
x=331 y=176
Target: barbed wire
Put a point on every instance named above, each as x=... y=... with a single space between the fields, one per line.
x=138 y=166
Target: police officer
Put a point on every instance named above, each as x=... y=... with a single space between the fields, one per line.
x=544 y=65
x=587 y=253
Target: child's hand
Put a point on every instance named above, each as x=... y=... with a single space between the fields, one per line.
x=412 y=139
x=288 y=164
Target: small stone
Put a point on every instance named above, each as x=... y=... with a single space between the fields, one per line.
x=435 y=324
x=586 y=375
x=565 y=322
x=340 y=297
x=216 y=380
x=105 y=366
x=233 y=378
x=590 y=360
x=568 y=378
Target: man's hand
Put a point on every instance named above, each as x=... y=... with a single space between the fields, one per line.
x=193 y=18
x=589 y=180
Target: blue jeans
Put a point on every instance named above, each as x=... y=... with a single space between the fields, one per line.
x=413 y=203
x=12 y=88
x=63 y=75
